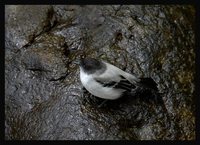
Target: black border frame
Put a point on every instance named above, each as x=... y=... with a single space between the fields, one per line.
x=197 y=59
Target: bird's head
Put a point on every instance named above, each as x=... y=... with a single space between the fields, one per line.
x=91 y=65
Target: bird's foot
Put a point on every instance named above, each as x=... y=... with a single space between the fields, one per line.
x=102 y=103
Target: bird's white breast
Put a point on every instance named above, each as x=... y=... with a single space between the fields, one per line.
x=97 y=89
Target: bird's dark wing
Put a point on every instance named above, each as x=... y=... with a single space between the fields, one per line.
x=122 y=84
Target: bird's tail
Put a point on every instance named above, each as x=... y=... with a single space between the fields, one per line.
x=148 y=90
x=148 y=83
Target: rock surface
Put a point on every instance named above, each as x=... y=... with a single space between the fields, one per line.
x=43 y=95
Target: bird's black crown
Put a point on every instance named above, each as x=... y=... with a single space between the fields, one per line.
x=91 y=65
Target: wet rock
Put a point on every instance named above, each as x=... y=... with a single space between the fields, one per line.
x=23 y=23
x=43 y=95
x=46 y=58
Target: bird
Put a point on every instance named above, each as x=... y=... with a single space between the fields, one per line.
x=106 y=81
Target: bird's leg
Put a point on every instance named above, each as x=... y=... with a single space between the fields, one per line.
x=102 y=103
x=84 y=91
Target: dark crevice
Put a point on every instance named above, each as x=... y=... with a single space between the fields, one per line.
x=38 y=69
x=60 y=78
x=66 y=50
x=117 y=10
x=51 y=20
x=48 y=26
x=118 y=37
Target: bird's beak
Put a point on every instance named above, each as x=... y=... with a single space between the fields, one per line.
x=76 y=61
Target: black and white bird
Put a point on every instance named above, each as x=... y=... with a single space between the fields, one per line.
x=107 y=81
